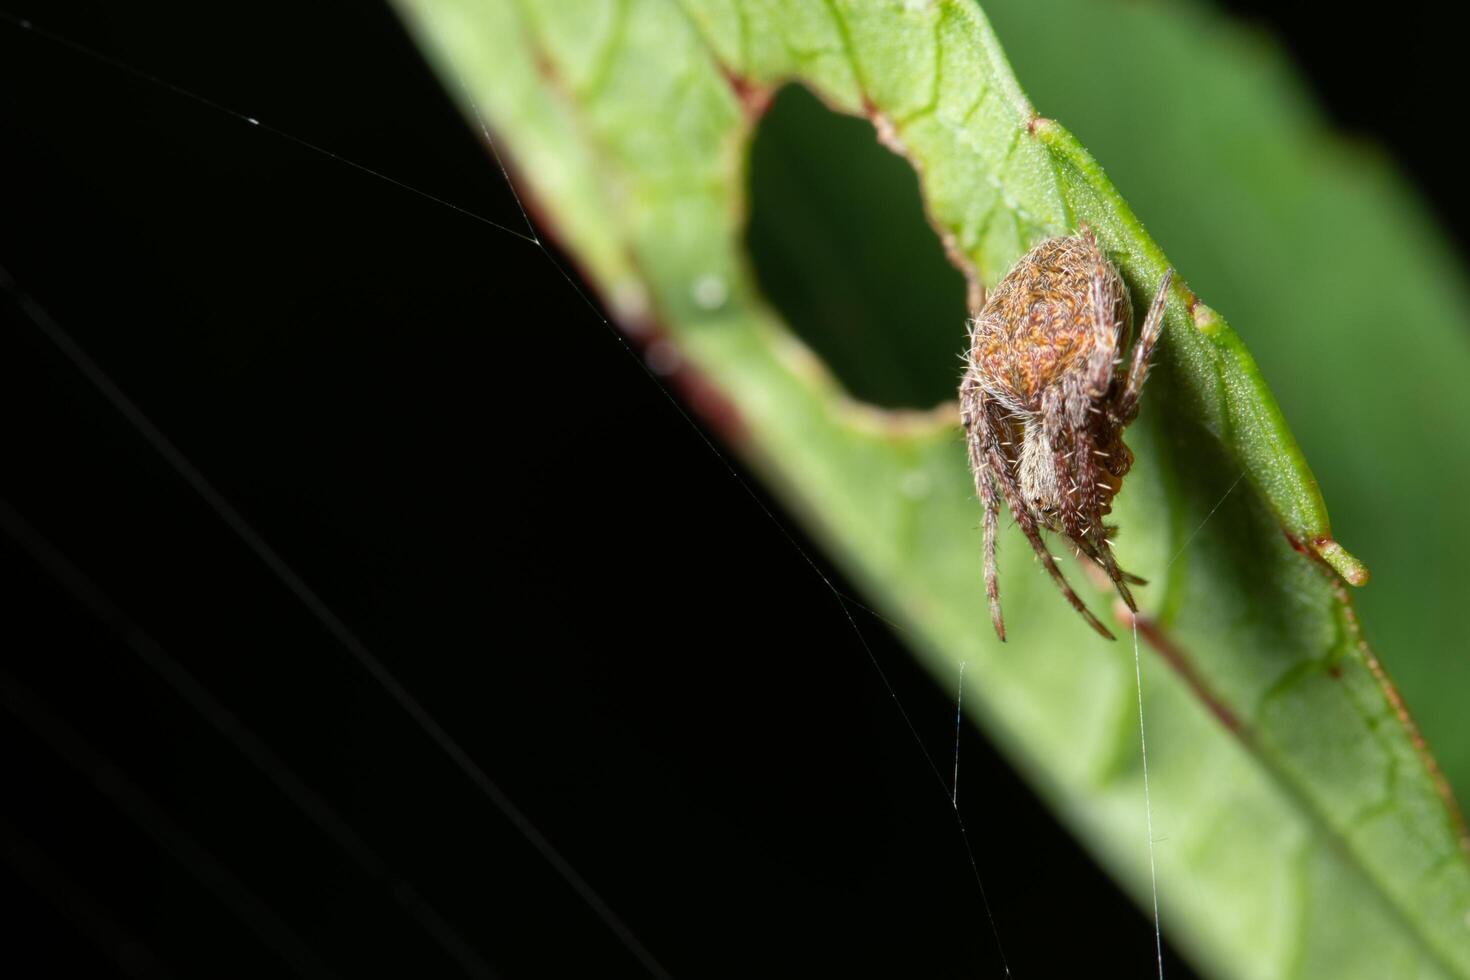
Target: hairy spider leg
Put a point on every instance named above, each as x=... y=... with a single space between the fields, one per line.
x=988 y=496
x=1033 y=534
x=1126 y=407
x=1099 y=552
x=1068 y=432
x=1110 y=531
x=1107 y=333
x=1010 y=487
x=973 y=416
x=1143 y=352
x=1094 y=536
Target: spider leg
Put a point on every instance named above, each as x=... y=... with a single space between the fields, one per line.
x=1143 y=351
x=1090 y=537
x=1027 y=523
x=986 y=486
x=1063 y=422
x=1082 y=520
x=1077 y=476
x=1099 y=552
x=978 y=435
x=1033 y=535
x=1103 y=288
x=1108 y=533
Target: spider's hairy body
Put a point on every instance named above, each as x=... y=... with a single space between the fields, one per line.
x=1036 y=327
x=1046 y=395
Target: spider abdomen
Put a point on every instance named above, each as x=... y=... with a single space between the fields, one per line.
x=1039 y=328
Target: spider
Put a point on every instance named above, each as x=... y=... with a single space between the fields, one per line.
x=1045 y=399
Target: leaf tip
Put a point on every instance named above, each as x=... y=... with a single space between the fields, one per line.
x=1353 y=571
x=1334 y=555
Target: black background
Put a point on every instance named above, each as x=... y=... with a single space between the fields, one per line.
x=425 y=419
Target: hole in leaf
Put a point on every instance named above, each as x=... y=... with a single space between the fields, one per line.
x=842 y=249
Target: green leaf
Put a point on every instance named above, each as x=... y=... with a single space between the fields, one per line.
x=1354 y=305
x=1303 y=828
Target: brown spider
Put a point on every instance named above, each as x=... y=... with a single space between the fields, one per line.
x=1045 y=399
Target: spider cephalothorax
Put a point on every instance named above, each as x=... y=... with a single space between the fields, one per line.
x=1046 y=395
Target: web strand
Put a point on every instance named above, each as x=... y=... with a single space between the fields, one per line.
x=959 y=699
x=249 y=120
x=495 y=152
x=1218 y=504
x=918 y=741
x=1148 y=805
x=265 y=553
x=323 y=613
x=811 y=563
